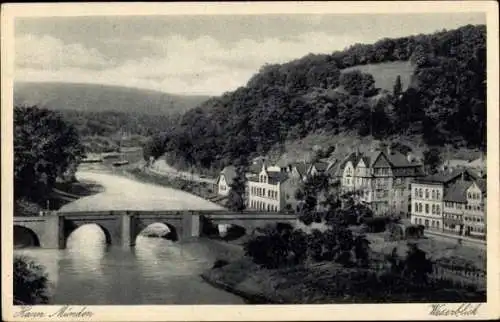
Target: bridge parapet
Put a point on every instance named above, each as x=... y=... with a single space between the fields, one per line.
x=122 y=227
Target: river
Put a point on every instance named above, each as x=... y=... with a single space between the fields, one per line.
x=155 y=271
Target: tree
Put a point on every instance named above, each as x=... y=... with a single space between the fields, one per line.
x=362 y=250
x=45 y=147
x=236 y=195
x=358 y=83
x=398 y=87
x=416 y=265
x=154 y=147
x=432 y=159
x=30 y=282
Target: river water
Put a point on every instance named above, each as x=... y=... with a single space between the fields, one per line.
x=155 y=271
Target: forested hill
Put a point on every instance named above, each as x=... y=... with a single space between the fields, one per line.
x=444 y=102
x=98 y=98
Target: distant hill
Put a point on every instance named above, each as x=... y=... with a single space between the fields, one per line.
x=385 y=74
x=96 y=98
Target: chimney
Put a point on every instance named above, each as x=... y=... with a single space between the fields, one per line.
x=389 y=150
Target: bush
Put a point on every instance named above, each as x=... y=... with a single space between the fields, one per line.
x=276 y=246
x=394 y=232
x=376 y=224
x=30 y=282
x=414 y=231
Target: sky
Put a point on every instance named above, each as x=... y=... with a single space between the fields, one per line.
x=205 y=54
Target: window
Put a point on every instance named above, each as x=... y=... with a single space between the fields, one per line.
x=427 y=223
x=420 y=194
x=433 y=194
x=426 y=193
x=416 y=207
x=437 y=224
x=426 y=208
x=438 y=209
x=433 y=209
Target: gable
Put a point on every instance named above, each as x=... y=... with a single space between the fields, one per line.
x=474 y=188
x=361 y=163
x=348 y=167
x=381 y=162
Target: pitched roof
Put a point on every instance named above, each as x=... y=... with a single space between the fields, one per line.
x=447 y=177
x=478 y=163
x=481 y=183
x=457 y=192
x=275 y=177
x=255 y=168
x=397 y=159
x=321 y=166
x=229 y=173
x=301 y=167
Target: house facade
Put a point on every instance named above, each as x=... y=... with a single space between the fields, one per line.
x=452 y=203
x=381 y=178
x=269 y=190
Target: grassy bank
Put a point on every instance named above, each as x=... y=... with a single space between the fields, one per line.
x=200 y=189
x=326 y=283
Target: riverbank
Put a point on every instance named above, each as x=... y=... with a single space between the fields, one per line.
x=201 y=189
x=327 y=283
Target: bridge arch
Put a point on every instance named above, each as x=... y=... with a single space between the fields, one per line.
x=25 y=236
x=172 y=234
x=71 y=228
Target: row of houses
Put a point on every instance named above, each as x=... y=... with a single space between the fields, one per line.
x=385 y=180
x=272 y=187
x=453 y=203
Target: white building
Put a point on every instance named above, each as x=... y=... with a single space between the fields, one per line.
x=225 y=179
x=269 y=190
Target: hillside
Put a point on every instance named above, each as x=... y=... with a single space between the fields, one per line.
x=97 y=98
x=385 y=74
x=440 y=101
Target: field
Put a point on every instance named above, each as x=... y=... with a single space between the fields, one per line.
x=385 y=74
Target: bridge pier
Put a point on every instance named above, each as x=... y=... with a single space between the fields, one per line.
x=127 y=230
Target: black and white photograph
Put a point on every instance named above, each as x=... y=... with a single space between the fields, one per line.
x=243 y=159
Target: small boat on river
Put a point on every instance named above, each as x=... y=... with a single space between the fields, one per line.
x=120 y=163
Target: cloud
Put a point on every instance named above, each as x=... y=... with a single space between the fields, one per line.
x=49 y=53
x=175 y=64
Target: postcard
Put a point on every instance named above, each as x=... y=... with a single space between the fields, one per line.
x=227 y=161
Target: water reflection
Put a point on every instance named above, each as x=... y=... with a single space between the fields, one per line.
x=85 y=248
x=155 y=271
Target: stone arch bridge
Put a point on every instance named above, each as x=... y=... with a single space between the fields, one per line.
x=52 y=229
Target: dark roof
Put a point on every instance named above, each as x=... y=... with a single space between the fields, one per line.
x=229 y=173
x=332 y=166
x=301 y=167
x=321 y=166
x=481 y=183
x=397 y=159
x=446 y=177
x=255 y=168
x=275 y=177
x=457 y=192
